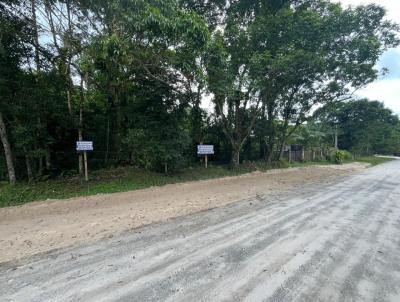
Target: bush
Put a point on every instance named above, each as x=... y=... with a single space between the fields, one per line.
x=347 y=155
x=339 y=157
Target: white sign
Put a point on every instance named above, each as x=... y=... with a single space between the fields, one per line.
x=84 y=146
x=205 y=149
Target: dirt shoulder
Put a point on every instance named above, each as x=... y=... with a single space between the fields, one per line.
x=42 y=226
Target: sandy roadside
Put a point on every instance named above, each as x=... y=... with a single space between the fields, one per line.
x=42 y=226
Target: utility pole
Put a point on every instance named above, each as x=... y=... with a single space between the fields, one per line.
x=336 y=137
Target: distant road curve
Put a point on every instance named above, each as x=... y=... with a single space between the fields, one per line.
x=388 y=156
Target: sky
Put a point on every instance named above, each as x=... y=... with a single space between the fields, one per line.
x=386 y=88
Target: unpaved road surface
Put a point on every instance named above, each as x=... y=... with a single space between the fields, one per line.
x=42 y=226
x=337 y=241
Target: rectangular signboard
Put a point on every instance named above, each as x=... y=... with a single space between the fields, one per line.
x=205 y=149
x=84 y=146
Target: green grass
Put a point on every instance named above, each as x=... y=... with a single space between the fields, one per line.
x=111 y=181
x=130 y=178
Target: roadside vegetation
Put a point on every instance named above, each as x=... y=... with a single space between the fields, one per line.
x=115 y=180
x=124 y=179
x=132 y=77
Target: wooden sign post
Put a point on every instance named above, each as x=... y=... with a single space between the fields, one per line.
x=86 y=168
x=84 y=146
x=205 y=150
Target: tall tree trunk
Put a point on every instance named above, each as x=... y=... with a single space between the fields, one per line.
x=282 y=140
x=36 y=35
x=262 y=134
x=28 y=165
x=80 y=155
x=281 y=149
x=80 y=125
x=38 y=69
x=236 y=133
x=269 y=150
x=270 y=138
x=65 y=71
x=40 y=168
x=107 y=141
x=69 y=105
x=336 y=137
x=262 y=149
x=28 y=168
x=7 y=151
x=236 y=156
x=196 y=118
x=69 y=82
x=284 y=131
x=48 y=160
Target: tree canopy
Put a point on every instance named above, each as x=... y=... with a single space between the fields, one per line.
x=364 y=126
x=132 y=75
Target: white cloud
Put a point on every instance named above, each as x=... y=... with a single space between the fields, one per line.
x=392 y=6
x=387 y=91
x=206 y=103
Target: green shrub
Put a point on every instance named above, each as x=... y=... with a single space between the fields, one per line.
x=347 y=155
x=339 y=157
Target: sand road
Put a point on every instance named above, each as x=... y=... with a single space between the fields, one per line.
x=330 y=241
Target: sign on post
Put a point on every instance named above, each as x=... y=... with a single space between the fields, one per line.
x=84 y=146
x=205 y=150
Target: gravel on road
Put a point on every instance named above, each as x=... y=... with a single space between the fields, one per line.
x=328 y=241
x=39 y=227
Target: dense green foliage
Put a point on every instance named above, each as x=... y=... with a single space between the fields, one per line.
x=120 y=179
x=124 y=179
x=361 y=126
x=131 y=75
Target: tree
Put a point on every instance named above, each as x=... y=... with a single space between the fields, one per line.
x=364 y=126
x=236 y=103
x=132 y=75
x=312 y=135
x=12 y=38
x=211 y=10
x=156 y=40
x=7 y=150
x=311 y=53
